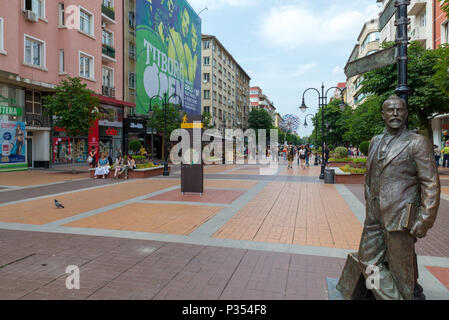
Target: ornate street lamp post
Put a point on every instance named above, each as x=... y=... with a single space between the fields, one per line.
x=322 y=103
x=165 y=104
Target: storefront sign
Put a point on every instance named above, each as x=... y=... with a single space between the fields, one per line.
x=58 y=129
x=12 y=142
x=11 y=111
x=111 y=132
x=134 y=125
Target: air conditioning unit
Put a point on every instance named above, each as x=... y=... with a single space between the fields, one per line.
x=31 y=16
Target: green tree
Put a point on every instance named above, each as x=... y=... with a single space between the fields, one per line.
x=207 y=119
x=171 y=116
x=427 y=100
x=441 y=76
x=336 y=123
x=366 y=121
x=445 y=7
x=74 y=107
x=259 y=118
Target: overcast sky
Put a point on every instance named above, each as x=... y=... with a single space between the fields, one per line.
x=287 y=46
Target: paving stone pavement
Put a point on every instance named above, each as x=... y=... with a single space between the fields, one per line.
x=251 y=236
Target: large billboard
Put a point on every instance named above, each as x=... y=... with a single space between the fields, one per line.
x=168 y=54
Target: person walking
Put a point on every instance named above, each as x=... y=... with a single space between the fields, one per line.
x=308 y=153
x=445 y=153
x=290 y=157
x=302 y=156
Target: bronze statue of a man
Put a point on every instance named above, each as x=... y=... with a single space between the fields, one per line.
x=402 y=192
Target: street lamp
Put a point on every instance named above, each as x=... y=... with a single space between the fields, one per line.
x=165 y=104
x=322 y=102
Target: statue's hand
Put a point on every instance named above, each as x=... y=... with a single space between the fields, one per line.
x=419 y=229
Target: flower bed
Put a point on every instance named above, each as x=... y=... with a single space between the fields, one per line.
x=349 y=175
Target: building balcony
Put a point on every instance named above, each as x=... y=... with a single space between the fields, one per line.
x=108 y=51
x=108 y=91
x=108 y=12
x=416 y=6
x=37 y=120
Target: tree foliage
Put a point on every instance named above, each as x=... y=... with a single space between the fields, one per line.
x=445 y=7
x=366 y=121
x=259 y=118
x=172 y=116
x=207 y=120
x=74 y=107
x=427 y=98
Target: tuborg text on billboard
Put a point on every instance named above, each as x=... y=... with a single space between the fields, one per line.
x=168 y=54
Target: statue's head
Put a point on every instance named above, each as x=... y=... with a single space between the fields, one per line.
x=394 y=113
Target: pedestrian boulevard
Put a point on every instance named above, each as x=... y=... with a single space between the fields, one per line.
x=248 y=236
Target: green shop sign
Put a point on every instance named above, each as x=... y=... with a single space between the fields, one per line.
x=10 y=111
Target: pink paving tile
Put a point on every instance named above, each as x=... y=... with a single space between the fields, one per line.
x=442 y=274
x=209 y=196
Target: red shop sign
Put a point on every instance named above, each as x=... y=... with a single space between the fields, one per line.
x=111 y=132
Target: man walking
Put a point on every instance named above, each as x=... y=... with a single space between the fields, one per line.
x=445 y=153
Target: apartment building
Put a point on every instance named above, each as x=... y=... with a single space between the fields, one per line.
x=225 y=86
x=43 y=42
x=259 y=100
x=367 y=43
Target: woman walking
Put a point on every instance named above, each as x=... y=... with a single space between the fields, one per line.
x=290 y=157
x=302 y=156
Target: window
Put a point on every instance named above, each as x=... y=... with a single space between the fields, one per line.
x=132 y=80
x=214 y=95
x=214 y=111
x=132 y=50
x=108 y=77
x=61 y=61
x=214 y=79
x=444 y=33
x=214 y=63
x=206 y=44
x=61 y=20
x=37 y=6
x=206 y=94
x=33 y=102
x=132 y=19
x=34 y=51
x=206 y=77
x=371 y=37
x=2 y=43
x=86 y=66
x=107 y=38
x=422 y=19
x=371 y=52
x=206 y=61
x=108 y=3
x=206 y=110
x=86 y=22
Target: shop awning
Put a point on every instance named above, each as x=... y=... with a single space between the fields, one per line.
x=114 y=102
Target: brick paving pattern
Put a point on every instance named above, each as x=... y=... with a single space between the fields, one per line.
x=305 y=214
x=442 y=274
x=143 y=217
x=209 y=195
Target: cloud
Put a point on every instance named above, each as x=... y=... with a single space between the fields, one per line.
x=215 y=4
x=337 y=69
x=293 y=26
x=304 y=68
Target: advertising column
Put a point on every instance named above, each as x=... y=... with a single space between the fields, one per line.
x=169 y=54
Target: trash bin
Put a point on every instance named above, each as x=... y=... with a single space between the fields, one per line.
x=329 y=176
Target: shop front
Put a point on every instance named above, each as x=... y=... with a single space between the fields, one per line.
x=440 y=128
x=111 y=130
x=134 y=129
x=13 y=139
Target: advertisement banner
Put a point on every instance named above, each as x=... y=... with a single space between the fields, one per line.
x=94 y=138
x=12 y=142
x=168 y=54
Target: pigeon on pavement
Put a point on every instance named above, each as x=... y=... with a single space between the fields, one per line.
x=58 y=204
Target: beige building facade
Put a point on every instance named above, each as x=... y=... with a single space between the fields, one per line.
x=225 y=86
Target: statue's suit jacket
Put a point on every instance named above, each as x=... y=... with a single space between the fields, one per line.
x=408 y=179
